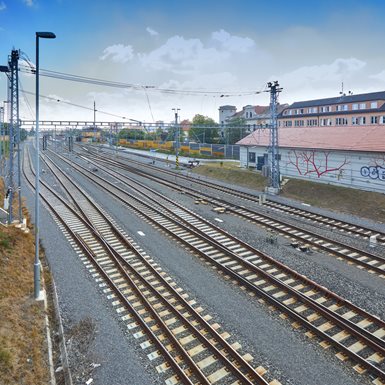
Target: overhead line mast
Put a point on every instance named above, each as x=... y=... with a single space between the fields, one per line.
x=274 y=181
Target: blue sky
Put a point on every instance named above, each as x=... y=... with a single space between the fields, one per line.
x=310 y=47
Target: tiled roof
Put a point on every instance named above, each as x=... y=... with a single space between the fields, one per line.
x=227 y=107
x=261 y=109
x=340 y=99
x=353 y=138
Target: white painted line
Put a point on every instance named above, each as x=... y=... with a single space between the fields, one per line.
x=305 y=204
x=141 y=233
x=218 y=220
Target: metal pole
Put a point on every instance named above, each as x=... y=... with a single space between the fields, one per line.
x=1 y=138
x=274 y=146
x=116 y=140
x=37 y=176
x=36 y=282
x=176 y=138
x=95 y=121
x=11 y=138
x=18 y=144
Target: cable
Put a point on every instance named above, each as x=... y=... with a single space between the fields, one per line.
x=26 y=101
x=75 y=105
x=149 y=104
x=108 y=83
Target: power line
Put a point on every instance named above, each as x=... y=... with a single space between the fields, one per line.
x=108 y=83
x=75 y=105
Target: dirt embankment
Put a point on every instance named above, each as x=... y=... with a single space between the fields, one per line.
x=23 y=352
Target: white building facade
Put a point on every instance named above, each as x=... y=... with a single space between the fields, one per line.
x=361 y=170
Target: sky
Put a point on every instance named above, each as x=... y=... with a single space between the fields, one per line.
x=193 y=55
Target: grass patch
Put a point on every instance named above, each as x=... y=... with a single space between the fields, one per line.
x=5 y=241
x=23 y=353
x=231 y=173
x=365 y=204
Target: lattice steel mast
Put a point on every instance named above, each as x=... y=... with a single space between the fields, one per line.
x=274 y=180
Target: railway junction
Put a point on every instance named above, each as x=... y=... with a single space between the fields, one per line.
x=188 y=280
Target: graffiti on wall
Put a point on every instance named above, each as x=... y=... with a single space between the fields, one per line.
x=312 y=162
x=375 y=168
x=373 y=172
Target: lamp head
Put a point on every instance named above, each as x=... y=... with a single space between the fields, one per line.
x=46 y=35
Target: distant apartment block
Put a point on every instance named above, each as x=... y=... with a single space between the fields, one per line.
x=254 y=116
x=345 y=110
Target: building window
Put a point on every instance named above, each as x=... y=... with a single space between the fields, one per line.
x=299 y=123
x=383 y=119
x=354 y=121
x=362 y=106
x=345 y=107
x=341 y=121
x=355 y=106
x=362 y=120
x=312 y=122
x=325 y=109
x=288 y=123
x=252 y=157
x=326 y=122
x=373 y=105
x=374 y=119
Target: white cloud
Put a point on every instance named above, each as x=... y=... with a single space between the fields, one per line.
x=182 y=56
x=233 y=43
x=2 y=6
x=29 y=3
x=339 y=70
x=152 y=32
x=379 y=76
x=119 y=53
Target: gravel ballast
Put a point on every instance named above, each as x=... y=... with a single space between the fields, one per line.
x=264 y=332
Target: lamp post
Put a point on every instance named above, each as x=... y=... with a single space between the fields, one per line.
x=177 y=134
x=36 y=281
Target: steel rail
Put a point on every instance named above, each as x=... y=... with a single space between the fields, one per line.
x=228 y=347
x=248 y=284
x=234 y=355
x=355 y=229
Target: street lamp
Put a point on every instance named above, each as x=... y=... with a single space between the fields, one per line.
x=177 y=134
x=36 y=281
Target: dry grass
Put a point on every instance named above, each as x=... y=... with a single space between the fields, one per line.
x=231 y=173
x=22 y=334
x=341 y=199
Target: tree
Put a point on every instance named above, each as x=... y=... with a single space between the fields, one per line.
x=235 y=130
x=131 y=134
x=203 y=129
x=23 y=134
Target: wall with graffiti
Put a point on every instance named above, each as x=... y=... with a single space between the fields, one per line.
x=362 y=170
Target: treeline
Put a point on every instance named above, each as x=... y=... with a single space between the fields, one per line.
x=201 y=129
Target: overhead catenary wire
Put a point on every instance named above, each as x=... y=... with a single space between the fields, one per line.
x=74 y=104
x=109 y=83
x=26 y=101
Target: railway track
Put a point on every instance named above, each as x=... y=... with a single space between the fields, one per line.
x=320 y=220
x=172 y=329
x=353 y=332
x=300 y=237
